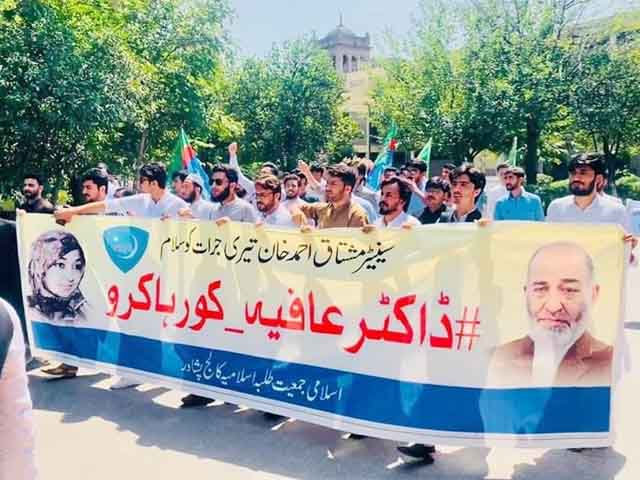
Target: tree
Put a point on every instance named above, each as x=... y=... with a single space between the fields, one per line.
x=59 y=93
x=288 y=103
x=605 y=101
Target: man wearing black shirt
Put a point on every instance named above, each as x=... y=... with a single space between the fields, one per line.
x=32 y=191
x=436 y=192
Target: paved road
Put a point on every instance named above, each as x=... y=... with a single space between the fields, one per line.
x=87 y=432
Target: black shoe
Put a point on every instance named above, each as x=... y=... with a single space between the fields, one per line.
x=273 y=416
x=192 y=400
x=356 y=436
x=418 y=450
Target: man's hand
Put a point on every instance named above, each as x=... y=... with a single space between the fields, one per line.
x=63 y=215
x=483 y=222
x=259 y=224
x=304 y=167
x=306 y=229
x=629 y=238
x=368 y=228
x=233 y=149
x=222 y=221
x=407 y=226
x=185 y=213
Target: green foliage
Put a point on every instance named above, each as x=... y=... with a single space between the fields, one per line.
x=628 y=186
x=289 y=105
x=106 y=80
x=549 y=190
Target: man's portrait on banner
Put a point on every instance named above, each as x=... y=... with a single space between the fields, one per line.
x=559 y=350
x=56 y=267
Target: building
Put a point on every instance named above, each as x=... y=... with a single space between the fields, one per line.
x=351 y=57
x=349 y=52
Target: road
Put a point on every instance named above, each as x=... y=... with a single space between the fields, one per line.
x=85 y=431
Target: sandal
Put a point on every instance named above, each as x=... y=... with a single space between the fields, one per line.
x=62 y=370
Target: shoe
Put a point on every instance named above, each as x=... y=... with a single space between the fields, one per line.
x=356 y=436
x=417 y=450
x=192 y=400
x=122 y=383
x=62 y=371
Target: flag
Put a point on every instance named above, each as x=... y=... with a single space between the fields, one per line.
x=186 y=158
x=513 y=154
x=385 y=157
x=425 y=156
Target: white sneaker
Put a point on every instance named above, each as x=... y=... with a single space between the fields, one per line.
x=122 y=383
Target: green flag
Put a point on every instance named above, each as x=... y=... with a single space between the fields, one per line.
x=513 y=154
x=425 y=155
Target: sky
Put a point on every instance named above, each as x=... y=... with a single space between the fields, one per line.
x=260 y=23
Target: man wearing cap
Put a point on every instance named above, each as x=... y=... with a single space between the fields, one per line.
x=585 y=205
x=192 y=188
x=518 y=204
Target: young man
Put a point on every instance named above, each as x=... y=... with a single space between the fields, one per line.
x=467 y=184
x=153 y=202
x=177 y=178
x=585 y=205
x=394 y=202
x=497 y=192
x=418 y=171
x=270 y=210
x=518 y=204
x=192 y=192
x=447 y=170
x=437 y=192
x=224 y=183
x=32 y=190
x=339 y=210
x=246 y=183
x=95 y=187
x=292 y=192
x=389 y=172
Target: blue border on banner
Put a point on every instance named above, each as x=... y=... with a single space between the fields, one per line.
x=524 y=411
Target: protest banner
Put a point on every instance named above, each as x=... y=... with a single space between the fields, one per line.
x=449 y=334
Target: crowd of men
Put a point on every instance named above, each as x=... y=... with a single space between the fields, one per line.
x=336 y=196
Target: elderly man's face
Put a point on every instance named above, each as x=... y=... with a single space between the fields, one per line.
x=560 y=294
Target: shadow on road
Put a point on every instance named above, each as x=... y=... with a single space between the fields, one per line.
x=241 y=437
x=600 y=464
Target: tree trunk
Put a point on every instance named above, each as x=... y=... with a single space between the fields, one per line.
x=142 y=148
x=531 y=158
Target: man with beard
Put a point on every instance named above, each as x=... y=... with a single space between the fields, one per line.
x=292 y=187
x=271 y=211
x=339 y=210
x=518 y=204
x=32 y=190
x=394 y=202
x=95 y=185
x=247 y=184
x=559 y=349
x=224 y=183
x=192 y=193
x=585 y=205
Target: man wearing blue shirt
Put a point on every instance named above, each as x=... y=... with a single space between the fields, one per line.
x=518 y=204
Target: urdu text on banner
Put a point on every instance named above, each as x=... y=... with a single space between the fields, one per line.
x=462 y=335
